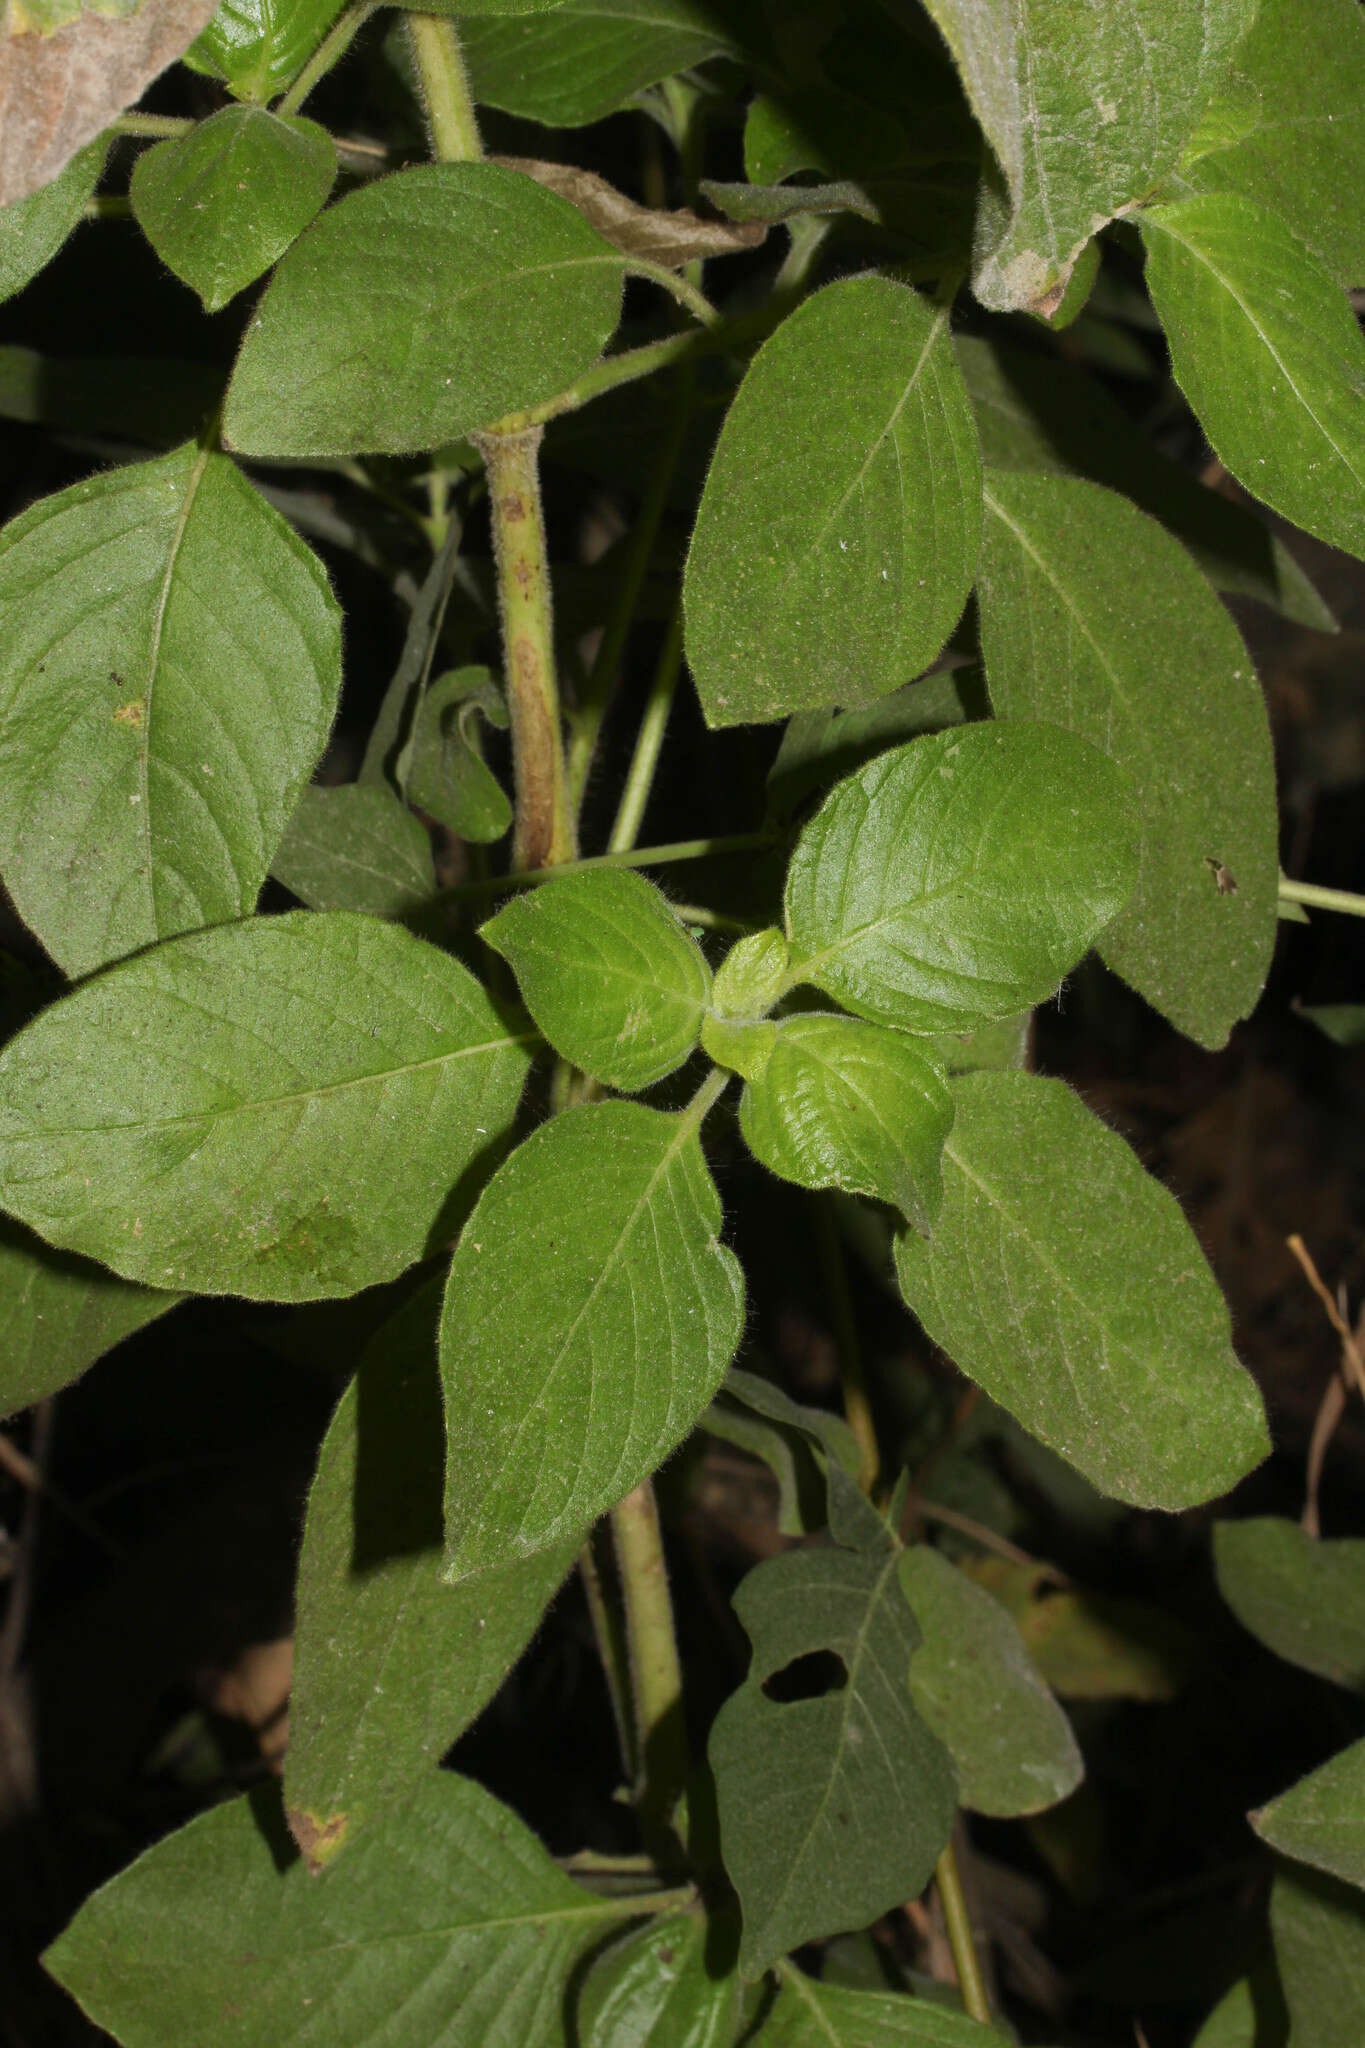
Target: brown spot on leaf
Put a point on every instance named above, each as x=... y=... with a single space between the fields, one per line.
x=132 y=713
x=319 y=1840
x=1224 y=880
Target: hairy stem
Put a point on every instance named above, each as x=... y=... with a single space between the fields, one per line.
x=543 y=835
x=1315 y=897
x=329 y=51
x=632 y=857
x=435 y=45
x=655 y=1673
x=958 y=1923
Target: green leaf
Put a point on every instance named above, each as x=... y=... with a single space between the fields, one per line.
x=819 y=747
x=375 y=1704
x=444 y=772
x=1318 y=1927
x=1082 y=121
x=1266 y=348
x=608 y=973
x=958 y=878
x=1087 y=1646
x=852 y=1519
x=59 y=1315
x=839 y=528
x=833 y=1808
x=784 y=1438
x=1321 y=1820
x=977 y=1688
x=168 y=678
x=819 y=128
x=652 y=1990
x=1036 y=412
x=257 y=47
x=587 y=58
x=221 y=202
x=1343 y=1023
x=736 y=1032
x=453 y=1917
x=1285 y=128
x=418 y=308
x=1304 y=1599
x=1067 y=1283
x=812 y=2015
x=355 y=848
x=844 y=1104
x=590 y=1316
x=1093 y=616
x=1232 y=2023
x=279 y=1108
x=32 y=230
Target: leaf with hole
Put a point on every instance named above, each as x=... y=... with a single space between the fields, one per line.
x=1064 y=1280
x=977 y=1688
x=355 y=847
x=1321 y=1820
x=373 y=1706
x=59 y=1315
x=452 y=1915
x=1093 y=616
x=835 y=1799
x=587 y=58
x=838 y=531
x=1302 y=1597
x=610 y=976
x=958 y=878
x=1083 y=121
x=422 y=306
x=258 y=47
x=282 y=1108
x=590 y=1315
x=846 y=1104
x=222 y=202
x=1265 y=347
x=168 y=678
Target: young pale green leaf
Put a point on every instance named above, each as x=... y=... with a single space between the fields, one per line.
x=32 y=230
x=1321 y=1820
x=279 y=1108
x=1266 y=348
x=844 y=1104
x=443 y=770
x=833 y=1808
x=652 y=1990
x=976 y=1686
x=958 y=878
x=1285 y=128
x=169 y=674
x=375 y=1703
x=1083 y=121
x=1318 y=1927
x=587 y=58
x=1067 y=1283
x=808 y=2014
x=1039 y=413
x=737 y=1032
x=610 y=976
x=355 y=848
x=59 y=1315
x=838 y=532
x=1092 y=616
x=590 y=1316
x=257 y=47
x=420 y=307
x=221 y=202
x=1304 y=1599
x=452 y=1916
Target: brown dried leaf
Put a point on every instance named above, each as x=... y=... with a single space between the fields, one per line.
x=58 y=91
x=655 y=237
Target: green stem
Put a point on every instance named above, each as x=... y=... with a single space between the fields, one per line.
x=543 y=835
x=678 y=287
x=712 y=920
x=655 y=1673
x=435 y=44
x=156 y=127
x=650 y=738
x=329 y=51
x=636 y=857
x=857 y=1408
x=109 y=206
x=1317 y=898
x=958 y=1923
